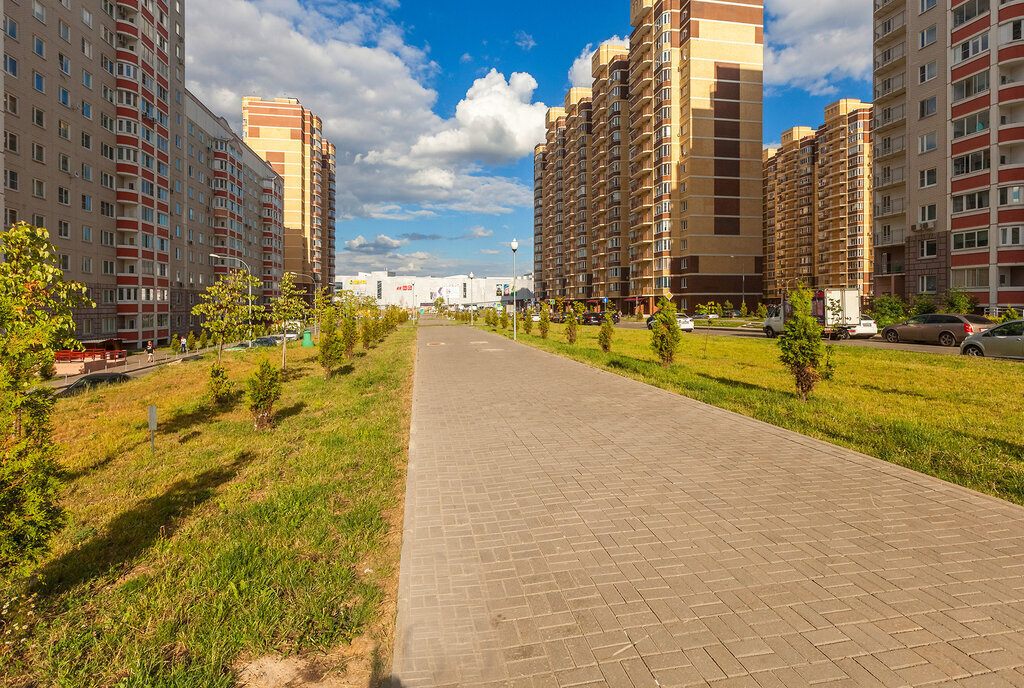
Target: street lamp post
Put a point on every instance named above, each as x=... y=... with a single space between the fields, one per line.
x=515 y=333
x=249 y=282
x=471 y=299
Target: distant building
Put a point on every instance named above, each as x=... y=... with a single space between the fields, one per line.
x=404 y=291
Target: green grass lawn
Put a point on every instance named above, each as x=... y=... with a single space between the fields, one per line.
x=228 y=544
x=955 y=417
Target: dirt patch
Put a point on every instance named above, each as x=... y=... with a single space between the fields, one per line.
x=348 y=667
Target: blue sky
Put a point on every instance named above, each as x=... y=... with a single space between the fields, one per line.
x=435 y=104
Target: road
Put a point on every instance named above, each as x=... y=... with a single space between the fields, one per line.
x=875 y=342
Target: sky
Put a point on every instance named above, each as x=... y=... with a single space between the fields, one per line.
x=435 y=105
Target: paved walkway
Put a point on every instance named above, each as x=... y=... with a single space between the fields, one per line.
x=566 y=526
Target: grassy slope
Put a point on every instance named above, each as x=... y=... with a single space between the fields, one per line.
x=954 y=417
x=229 y=544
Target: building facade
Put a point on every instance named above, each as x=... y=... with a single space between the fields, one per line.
x=291 y=139
x=690 y=223
x=948 y=150
x=817 y=204
x=458 y=291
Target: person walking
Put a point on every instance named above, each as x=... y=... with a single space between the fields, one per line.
x=149 y=351
x=184 y=345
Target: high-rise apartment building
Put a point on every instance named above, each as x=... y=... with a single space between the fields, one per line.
x=692 y=214
x=290 y=138
x=577 y=193
x=552 y=183
x=817 y=204
x=949 y=203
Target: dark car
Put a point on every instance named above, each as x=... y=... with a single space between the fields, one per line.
x=265 y=341
x=598 y=318
x=947 y=329
x=92 y=380
x=558 y=317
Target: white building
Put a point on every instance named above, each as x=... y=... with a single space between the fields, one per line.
x=390 y=289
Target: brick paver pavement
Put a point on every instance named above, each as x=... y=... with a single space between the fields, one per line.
x=569 y=527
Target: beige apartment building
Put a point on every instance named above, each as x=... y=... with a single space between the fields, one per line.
x=692 y=158
x=552 y=249
x=949 y=149
x=290 y=138
x=817 y=204
x=577 y=193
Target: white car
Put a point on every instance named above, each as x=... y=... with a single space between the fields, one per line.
x=866 y=329
x=535 y=317
x=685 y=322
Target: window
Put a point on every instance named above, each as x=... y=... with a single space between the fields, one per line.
x=64 y=129
x=38 y=190
x=927 y=37
x=38 y=11
x=926 y=284
x=10 y=27
x=11 y=180
x=927 y=5
x=65 y=31
x=926 y=143
x=971 y=124
x=929 y=248
x=971 y=86
x=972 y=162
x=64 y=96
x=64 y=63
x=86 y=172
x=927 y=107
x=927 y=213
x=63 y=229
x=39 y=82
x=1011 y=236
x=970 y=277
x=11 y=141
x=969 y=10
x=63 y=196
x=10 y=65
x=86 y=17
x=87 y=202
x=970 y=48
x=10 y=103
x=86 y=79
x=927 y=72
x=974 y=239
x=87 y=233
x=109 y=267
x=927 y=178
x=106 y=238
x=38 y=152
x=1011 y=195
x=974 y=200
x=86 y=110
x=86 y=264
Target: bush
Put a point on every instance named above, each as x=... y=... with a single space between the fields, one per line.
x=366 y=333
x=959 y=301
x=349 y=335
x=606 y=334
x=190 y=342
x=48 y=369
x=544 y=326
x=572 y=323
x=727 y=306
x=762 y=311
x=528 y=323
x=263 y=389
x=332 y=348
x=888 y=309
x=219 y=384
x=1010 y=314
x=800 y=347
x=923 y=305
x=665 y=333
x=504 y=319
x=203 y=340
x=175 y=344
x=743 y=310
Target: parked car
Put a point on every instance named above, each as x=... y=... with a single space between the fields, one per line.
x=535 y=317
x=265 y=341
x=865 y=329
x=733 y=314
x=684 y=321
x=558 y=317
x=1002 y=341
x=598 y=318
x=947 y=329
x=92 y=380
x=291 y=335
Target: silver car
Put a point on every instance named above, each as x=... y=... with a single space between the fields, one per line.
x=1003 y=341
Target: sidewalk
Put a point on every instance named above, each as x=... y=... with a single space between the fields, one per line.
x=566 y=526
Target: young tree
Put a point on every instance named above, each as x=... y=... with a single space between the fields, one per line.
x=743 y=310
x=219 y=385
x=36 y=304
x=204 y=339
x=438 y=305
x=332 y=348
x=959 y=301
x=762 y=311
x=190 y=342
x=289 y=306
x=225 y=307
x=322 y=301
x=800 y=347
x=665 y=333
x=727 y=306
x=888 y=309
x=528 y=323
x=545 y=324
x=707 y=310
x=607 y=333
x=572 y=322
x=263 y=389
x=366 y=332
x=349 y=335
x=923 y=305
x=504 y=319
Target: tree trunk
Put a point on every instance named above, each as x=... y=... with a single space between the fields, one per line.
x=284 y=346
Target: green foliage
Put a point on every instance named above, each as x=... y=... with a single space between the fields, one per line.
x=175 y=344
x=219 y=385
x=290 y=306
x=332 y=347
x=1010 y=314
x=190 y=341
x=707 y=310
x=743 y=310
x=606 y=334
x=349 y=335
x=888 y=309
x=366 y=333
x=959 y=301
x=48 y=370
x=225 y=307
x=544 y=326
x=718 y=309
x=36 y=305
x=528 y=322
x=439 y=305
x=923 y=304
x=572 y=322
x=800 y=347
x=727 y=306
x=665 y=332
x=204 y=340
x=263 y=389
x=762 y=311
x=504 y=319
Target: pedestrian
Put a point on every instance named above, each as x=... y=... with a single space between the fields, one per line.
x=184 y=344
x=149 y=351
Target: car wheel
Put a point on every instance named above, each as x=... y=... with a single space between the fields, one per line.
x=843 y=334
x=769 y=333
x=947 y=339
x=892 y=336
x=973 y=351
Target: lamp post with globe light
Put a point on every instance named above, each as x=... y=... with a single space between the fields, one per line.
x=515 y=247
x=471 y=307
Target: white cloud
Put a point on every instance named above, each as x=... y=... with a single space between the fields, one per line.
x=418 y=263
x=382 y=244
x=466 y=57
x=525 y=41
x=370 y=88
x=478 y=233
x=490 y=251
x=811 y=45
x=581 y=72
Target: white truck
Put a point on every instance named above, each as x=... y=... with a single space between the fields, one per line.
x=837 y=310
